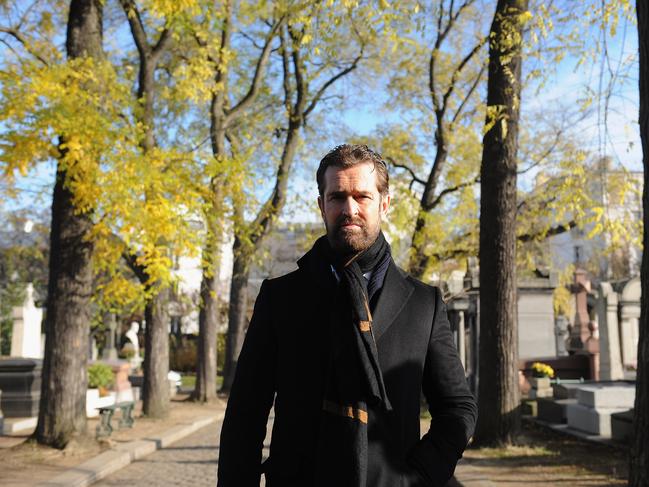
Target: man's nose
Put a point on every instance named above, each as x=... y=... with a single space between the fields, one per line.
x=350 y=207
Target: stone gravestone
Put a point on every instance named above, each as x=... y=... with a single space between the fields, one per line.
x=561 y=333
x=610 y=359
x=109 y=352
x=629 y=322
x=579 y=332
x=595 y=405
x=26 y=335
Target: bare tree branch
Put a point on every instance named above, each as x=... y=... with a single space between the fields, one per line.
x=25 y=42
x=559 y=229
x=332 y=80
x=137 y=27
x=460 y=67
x=407 y=169
x=474 y=85
x=452 y=189
x=258 y=75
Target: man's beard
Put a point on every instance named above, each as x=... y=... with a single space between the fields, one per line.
x=346 y=241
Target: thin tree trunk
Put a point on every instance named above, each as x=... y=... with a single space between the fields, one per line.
x=208 y=322
x=155 y=396
x=62 y=412
x=499 y=419
x=639 y=458
x=237 y=313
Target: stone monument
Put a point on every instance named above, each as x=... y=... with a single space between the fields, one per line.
x=109 y=352
x=607 y=309
x=629 y=322
x=26 y=335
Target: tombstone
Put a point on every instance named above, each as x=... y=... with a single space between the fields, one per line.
x=536 y=326
x=596 y=403
x=629 y=322
x=579 y=332
x=26 y=335
x=610 y=359
x=110 y=350
x=20 y=382
x=561 y=333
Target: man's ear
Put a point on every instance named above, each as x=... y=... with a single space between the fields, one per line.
x=385 y=205
x=321 y=206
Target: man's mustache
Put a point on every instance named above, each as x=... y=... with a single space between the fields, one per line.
x=349 y=221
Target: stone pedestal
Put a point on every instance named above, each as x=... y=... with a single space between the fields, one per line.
x=622 y=426
x=596 y=404
x=540 y=387
x=20 y=382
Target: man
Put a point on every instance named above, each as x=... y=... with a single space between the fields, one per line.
x=343 y=347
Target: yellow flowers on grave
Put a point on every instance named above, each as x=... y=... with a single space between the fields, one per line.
x=539 y=369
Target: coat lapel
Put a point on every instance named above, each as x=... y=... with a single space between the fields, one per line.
x=395 y=293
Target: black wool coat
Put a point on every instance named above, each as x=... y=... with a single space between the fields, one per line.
x=283 y=363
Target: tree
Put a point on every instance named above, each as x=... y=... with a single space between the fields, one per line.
x=498 y=395
x=226 y=110
x=62 y=411
x=639 y=458
x=155 y=393
x=310 y=53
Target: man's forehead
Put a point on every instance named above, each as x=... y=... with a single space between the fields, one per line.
x=363 y=173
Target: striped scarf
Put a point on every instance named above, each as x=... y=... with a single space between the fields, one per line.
x=354 y=380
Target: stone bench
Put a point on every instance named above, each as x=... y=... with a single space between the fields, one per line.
x=105 y=428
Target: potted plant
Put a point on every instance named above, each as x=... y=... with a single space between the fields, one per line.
x=541 y=374
x=100 y=378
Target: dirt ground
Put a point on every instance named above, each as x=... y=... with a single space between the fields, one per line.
x=542 y=457
x=545 y=457
x=24 y=462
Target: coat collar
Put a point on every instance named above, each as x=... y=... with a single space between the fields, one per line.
x=395 y=293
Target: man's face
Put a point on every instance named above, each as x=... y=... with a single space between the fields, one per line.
x=352 y=207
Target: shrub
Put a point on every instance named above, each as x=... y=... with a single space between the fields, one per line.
x=100 y=375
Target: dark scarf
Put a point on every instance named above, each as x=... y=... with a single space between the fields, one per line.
x=354 y=380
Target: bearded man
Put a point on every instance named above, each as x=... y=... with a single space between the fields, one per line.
x=343 y=348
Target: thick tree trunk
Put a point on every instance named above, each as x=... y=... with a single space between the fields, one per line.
x=639 y=459
x=208 y=322
x=155 y=396
x=499 y=419
x=62 y=412
x=237 y=313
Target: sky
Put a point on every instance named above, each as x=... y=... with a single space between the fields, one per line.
x=615 y=135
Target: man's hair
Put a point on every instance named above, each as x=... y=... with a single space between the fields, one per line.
x=348 y=155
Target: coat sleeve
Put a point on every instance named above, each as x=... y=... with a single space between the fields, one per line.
x=450 y=402
x=251 y=397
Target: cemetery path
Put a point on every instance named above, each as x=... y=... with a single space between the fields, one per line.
x=190 y=461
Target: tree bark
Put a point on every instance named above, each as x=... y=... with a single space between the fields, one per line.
x=62 y=412
x=498 y=393
x=236 y=313
x=639 y=458
x=155 y=396
x=208 y=322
